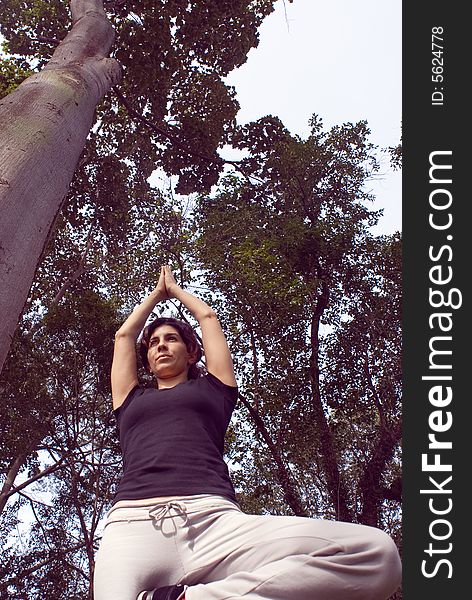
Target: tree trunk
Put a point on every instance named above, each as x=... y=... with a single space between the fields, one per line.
x=44 y=124
x=372 y=491
x=329 y=459
x=291 y=496
x=13 y=471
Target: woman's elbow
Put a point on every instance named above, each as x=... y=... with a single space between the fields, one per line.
x=207 y=315
x=123 y=334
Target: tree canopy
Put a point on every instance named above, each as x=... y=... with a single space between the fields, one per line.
x=279 y=242
x=170 y=109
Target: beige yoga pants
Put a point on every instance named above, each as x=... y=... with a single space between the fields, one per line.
x=221 y=553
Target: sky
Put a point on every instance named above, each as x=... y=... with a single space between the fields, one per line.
x=339 y=59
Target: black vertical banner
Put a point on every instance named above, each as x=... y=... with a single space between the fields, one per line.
x=437 y=138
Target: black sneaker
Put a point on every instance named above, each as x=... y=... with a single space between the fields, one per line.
x=169 y=592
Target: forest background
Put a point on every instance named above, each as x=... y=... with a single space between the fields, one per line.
x=275 y=222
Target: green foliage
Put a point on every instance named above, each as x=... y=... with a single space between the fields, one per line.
x=11 y=75
x=310 y=301
x=174 y=57
x=59 y=413
x=24 y=24
x=396 y=156
x=26 y=406
x=291 y=254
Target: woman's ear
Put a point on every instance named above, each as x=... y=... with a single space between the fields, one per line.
x=192 y=357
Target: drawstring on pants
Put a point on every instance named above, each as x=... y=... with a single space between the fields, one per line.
x=168 y=509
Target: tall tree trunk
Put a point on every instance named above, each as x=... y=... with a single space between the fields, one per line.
x=291 y=495
x=329 y=459
x=44 y=124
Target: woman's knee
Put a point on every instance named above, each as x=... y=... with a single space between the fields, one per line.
x=387 y=569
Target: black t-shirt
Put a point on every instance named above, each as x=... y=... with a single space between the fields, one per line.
x=172 y=440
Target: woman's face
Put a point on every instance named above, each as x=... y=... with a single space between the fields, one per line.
x=167 y=353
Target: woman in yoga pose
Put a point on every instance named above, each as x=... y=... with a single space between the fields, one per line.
x=175 y=530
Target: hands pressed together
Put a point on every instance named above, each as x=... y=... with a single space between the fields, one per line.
x=166 y=286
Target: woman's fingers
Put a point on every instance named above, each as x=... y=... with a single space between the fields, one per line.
x=161 y=285
x=170 y=282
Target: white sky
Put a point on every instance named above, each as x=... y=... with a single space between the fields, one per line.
x=339 y=59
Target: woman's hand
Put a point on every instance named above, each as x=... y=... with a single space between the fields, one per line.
x=166 y=286
x=171 y=286
x=160 y=290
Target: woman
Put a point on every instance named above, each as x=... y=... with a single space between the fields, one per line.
x=175 y=530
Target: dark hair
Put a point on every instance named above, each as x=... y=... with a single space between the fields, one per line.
x=186 y=333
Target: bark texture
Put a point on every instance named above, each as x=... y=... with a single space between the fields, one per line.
x=44 y=124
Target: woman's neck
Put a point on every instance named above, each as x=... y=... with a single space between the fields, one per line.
x=170 y=382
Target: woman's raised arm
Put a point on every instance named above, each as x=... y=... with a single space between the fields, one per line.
x=217 y=355
x=124 y=375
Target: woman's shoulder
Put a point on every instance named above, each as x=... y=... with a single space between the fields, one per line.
x=135 y=391
x=213 y=382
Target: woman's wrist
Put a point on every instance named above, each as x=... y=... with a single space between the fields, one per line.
x=158 y=295
x=173 y=290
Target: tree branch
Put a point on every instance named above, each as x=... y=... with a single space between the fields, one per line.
x=54 y=555
x=165 y=132
x=47 y=471
x=291 y=496
x=329 y=457
x=376 y=397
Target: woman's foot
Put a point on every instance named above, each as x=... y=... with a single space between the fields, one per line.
x=169 y=592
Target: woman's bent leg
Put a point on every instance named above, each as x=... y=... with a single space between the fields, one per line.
x=275 y=558
x=133 y=557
